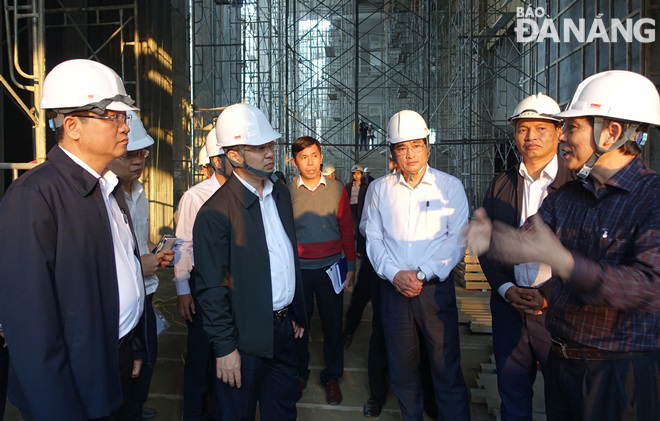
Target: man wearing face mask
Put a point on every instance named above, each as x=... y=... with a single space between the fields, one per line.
x=414 y=240
x=247 y=275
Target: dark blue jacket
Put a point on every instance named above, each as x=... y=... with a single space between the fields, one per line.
x=59 y=299
x=232 y=269
x=503 y=202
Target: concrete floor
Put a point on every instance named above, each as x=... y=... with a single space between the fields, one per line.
x=167 y=384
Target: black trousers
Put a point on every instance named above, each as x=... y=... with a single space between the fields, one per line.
x=139 y=387
x=316 y=283
x=273 y=382
x=4 y=371
x=199 y=370
x=622 y=389
x=518 y=343
x=368 y=288
x=434 y=315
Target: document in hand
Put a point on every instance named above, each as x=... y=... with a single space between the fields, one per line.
x=337 y=274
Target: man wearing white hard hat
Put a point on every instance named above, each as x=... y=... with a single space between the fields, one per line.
x=72 y=294
x=414 y=233
x=204 y=163
x=599 y=236
x=129 y=168
x=328 y=171
x=199 y=357
x=520 y=340
x=247 y=274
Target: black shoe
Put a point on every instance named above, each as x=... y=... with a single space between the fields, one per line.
x=348 y=340
x=372 y=408
x=148 y=413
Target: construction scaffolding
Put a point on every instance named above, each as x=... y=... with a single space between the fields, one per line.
x=321 y=68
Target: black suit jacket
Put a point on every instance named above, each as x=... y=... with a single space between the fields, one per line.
x=232 y=269
x=503 y=202
x=59 y=300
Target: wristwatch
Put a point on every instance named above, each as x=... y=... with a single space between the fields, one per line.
x=421 y=275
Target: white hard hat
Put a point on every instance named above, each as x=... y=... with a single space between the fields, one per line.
x=617 y=95
x=203 y=158
x=406 y=125
x=80 y=83
x=537 y=107
x=138 y=138
x=357 y=168
x=366 y=169
x=212 y=148
x=244 y=124
x=327 y=169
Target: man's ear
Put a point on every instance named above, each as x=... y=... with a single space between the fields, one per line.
x=611 y=134
x=71 y=127
x=234 y=155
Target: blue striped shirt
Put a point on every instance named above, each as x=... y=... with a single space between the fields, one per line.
x=611 y=301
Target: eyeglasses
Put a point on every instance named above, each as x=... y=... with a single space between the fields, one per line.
x=402 y=150
x=118 y=119
x=142 y=153
x=262 y=149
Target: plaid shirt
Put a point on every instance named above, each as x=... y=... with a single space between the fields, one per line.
x=612 y=299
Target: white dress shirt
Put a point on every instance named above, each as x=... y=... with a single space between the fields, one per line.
x=409 y=228
x=189 y=205
x=129 y=271
x=533 y=274
x=138 y=206
x=280 y=249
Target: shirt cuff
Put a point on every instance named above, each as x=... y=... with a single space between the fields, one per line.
x=503 y=289
x=390 y=272
x=428 y=272
x=182 y=287
x=350 y=265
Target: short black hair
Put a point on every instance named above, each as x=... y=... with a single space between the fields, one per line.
x=303 y=143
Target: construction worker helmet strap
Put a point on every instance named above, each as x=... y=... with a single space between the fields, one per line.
x=244 y=124
x=266 y=174
x=84 y=85
x=406 y=125
x=538 y=107
x=629 y=134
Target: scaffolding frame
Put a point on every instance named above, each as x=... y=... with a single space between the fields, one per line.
x=122 y=19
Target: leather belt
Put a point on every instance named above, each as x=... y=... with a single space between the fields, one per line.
x=577 y=352
x=281 y=313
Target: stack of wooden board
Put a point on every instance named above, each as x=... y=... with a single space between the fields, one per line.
x=486 y=392
x=474 y=309
x=468 y=273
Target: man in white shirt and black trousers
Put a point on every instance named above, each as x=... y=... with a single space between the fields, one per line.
x=414 y=239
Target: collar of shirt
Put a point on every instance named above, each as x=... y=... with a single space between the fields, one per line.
x=625 y=179
x=300 y=182
x=268 y=186
x=427 y=178
x=108 y=181
x=549 y=172
x=136 y=190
